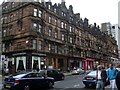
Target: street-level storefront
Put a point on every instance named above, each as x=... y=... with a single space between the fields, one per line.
x=104 y=63
x=25 y=62
x=75 y=63
x=56 y=62
x=88 y=64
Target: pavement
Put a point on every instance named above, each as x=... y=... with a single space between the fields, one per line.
x=1 y=79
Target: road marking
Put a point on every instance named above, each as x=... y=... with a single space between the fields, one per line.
x=57 y=81
x=64 y=88
x=77 y=85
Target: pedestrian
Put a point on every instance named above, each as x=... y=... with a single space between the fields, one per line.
x=118 y=80
x=112 y=73
x=101 y=77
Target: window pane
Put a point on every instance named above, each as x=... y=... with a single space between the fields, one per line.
x=40 y=28
x=50 y=19
x=63 y=37
x=34 y=44
x=50 y=32
x=49 y=47
x=40 y=45
x=40 y=13
x=62 y=25
x=35 y=12
x=34 y=26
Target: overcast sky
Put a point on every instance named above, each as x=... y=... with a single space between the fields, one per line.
x=98 y=11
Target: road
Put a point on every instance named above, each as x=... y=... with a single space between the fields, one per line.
x=73 y=82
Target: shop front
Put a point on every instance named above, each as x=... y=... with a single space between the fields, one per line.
x=88 y=64
x=25 y=62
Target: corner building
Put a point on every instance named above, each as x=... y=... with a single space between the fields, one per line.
x=52 y=36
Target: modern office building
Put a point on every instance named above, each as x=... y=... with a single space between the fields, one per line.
x=52 y=36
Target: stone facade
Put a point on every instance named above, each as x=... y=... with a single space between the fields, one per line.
x=51 y=36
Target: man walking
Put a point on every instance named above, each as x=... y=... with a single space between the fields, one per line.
x=101 y=78
x=112 y=73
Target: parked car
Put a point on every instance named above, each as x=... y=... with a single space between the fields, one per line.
x=90 y=79
x=27 y=81
x=54 y=73
x=77 y=71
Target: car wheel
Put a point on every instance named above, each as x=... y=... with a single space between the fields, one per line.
x=26 y=87
x=86 y=86
x=50 y=85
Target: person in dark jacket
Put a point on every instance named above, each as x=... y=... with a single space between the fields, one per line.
x=101 y=78
x=118 y=80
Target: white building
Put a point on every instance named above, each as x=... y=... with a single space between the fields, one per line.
x=119 y=27
x=113 y=31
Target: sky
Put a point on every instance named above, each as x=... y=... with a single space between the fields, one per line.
x=97 y=11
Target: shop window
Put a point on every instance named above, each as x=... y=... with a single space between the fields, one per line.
x=20 y=66
x=35 y=64
x=9 y=64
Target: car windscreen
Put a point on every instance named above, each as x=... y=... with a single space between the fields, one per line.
x=19 y=76
x=92 y=73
